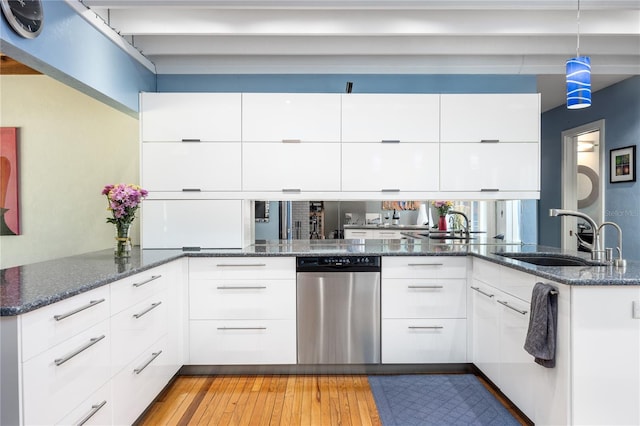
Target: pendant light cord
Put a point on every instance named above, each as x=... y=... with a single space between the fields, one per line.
x=578 y=38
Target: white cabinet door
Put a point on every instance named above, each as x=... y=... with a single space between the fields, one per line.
x=386 y=234
x=390 y=167
x=517 y=368
x=179 y=166
x=190 y=116
x=403 y=117
x=485 y=330
x=424 y=298
x=95 y=410
x=192 y=223
x=490 y=167
x=503 y=117
x=283 y=167
x=420 y=341
x=358 y=234
x=274 y=117
x=243 y=268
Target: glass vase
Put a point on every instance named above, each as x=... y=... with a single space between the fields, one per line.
x=442 y=223
x=123 y=241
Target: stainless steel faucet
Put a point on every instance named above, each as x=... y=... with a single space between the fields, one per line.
x=596 y=252
x=467 y=233
x=619 y=262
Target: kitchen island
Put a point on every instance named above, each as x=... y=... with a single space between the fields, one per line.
x=596 y=379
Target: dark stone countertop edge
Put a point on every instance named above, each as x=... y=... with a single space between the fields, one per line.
x=576 y=276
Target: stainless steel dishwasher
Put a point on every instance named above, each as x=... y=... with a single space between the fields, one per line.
x=338 y=303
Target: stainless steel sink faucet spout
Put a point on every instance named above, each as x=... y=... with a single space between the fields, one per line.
x=596 y=252
x=619 y=262
x=467 y=233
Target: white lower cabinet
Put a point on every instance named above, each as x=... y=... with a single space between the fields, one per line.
x=56 y=381
x=95 y=410
x=242 y=310
x=358 y=234
x=228 y=342
x=424 y=309
x=485 y=324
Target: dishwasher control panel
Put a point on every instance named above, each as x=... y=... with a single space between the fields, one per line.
x=342 y=263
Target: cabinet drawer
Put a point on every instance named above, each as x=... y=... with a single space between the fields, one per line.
x=424 y=298
x=134 y=289
x=242 y=299
x=135 y=387
x=95 y=410
x=487 y=272
x=355 y=234
x=424 y=267
x=243 y=342
x=48 y=326
x=243 y=268
x=59 y=379
x=134 y=329
x=516 y=283
x=419 y=341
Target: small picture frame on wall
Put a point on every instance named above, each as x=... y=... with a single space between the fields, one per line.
x=623 y=164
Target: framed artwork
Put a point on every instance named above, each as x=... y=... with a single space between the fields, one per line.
x=9 y=203
x=623 y=164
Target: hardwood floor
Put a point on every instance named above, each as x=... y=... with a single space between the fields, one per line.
x=271 y=400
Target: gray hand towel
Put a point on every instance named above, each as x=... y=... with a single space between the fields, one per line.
x=543 y=323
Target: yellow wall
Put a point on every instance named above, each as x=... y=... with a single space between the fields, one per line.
x=70 y=146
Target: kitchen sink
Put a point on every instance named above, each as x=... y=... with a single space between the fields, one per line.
x=548 y=259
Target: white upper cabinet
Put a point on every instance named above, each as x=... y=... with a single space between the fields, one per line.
x=274 y=117
x=490 y=167
x=200 y=166
x=291 y=167
x=397 y=117
x=490 y=117
x=169 y=117
x=389 y=167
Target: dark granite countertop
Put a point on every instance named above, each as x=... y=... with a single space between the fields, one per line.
x=29 y=287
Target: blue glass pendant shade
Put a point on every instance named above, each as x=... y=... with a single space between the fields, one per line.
x=579 y=82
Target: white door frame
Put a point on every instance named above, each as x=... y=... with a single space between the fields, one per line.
x=570 y=177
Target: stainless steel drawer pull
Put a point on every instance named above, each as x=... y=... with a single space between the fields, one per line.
x=291 y=141
x=489 y=190
x=425 y=286
x=190 y=140
x=489 y=140
x=153 y=277
x=242 y=328
x=481 y=292
x=241 y=265
x=425 y=264
x=146 y=364
x=94 y=409
x=291 y=190
x=153 y=306
x=81 y=349
x=390 y=190
x=502 y=302
x=190 y=189
x=390 y=141
x=92 y=303
x=257 y=287
x=425 y=327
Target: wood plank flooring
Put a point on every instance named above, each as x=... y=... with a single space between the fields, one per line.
x=270 y=400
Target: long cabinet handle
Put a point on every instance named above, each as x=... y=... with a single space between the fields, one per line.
x=190 y=140
x=247 y=287
x=481 y=292
x=191 y=190
x=425 y=264
x=425 y=286
x=489 y=190
x=390 y=190
x=425 y=327
x=489 y=140
x=146 y=364
x=78 y=351
x=141 y=283
x=94 y=409
x=242 y=328
x=291 y=141
x=149 y=309
x=91 y=304
x=390 y=141
x=242 y=265
x=292 y=190
x=504 y=303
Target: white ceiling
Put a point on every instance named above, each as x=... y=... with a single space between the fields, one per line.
x=383 y=37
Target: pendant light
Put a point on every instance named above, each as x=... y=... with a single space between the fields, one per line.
x=578 y=77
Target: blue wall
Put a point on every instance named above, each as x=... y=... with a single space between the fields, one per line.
x=336 y=83
x=72 y=51
x=619 y=106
